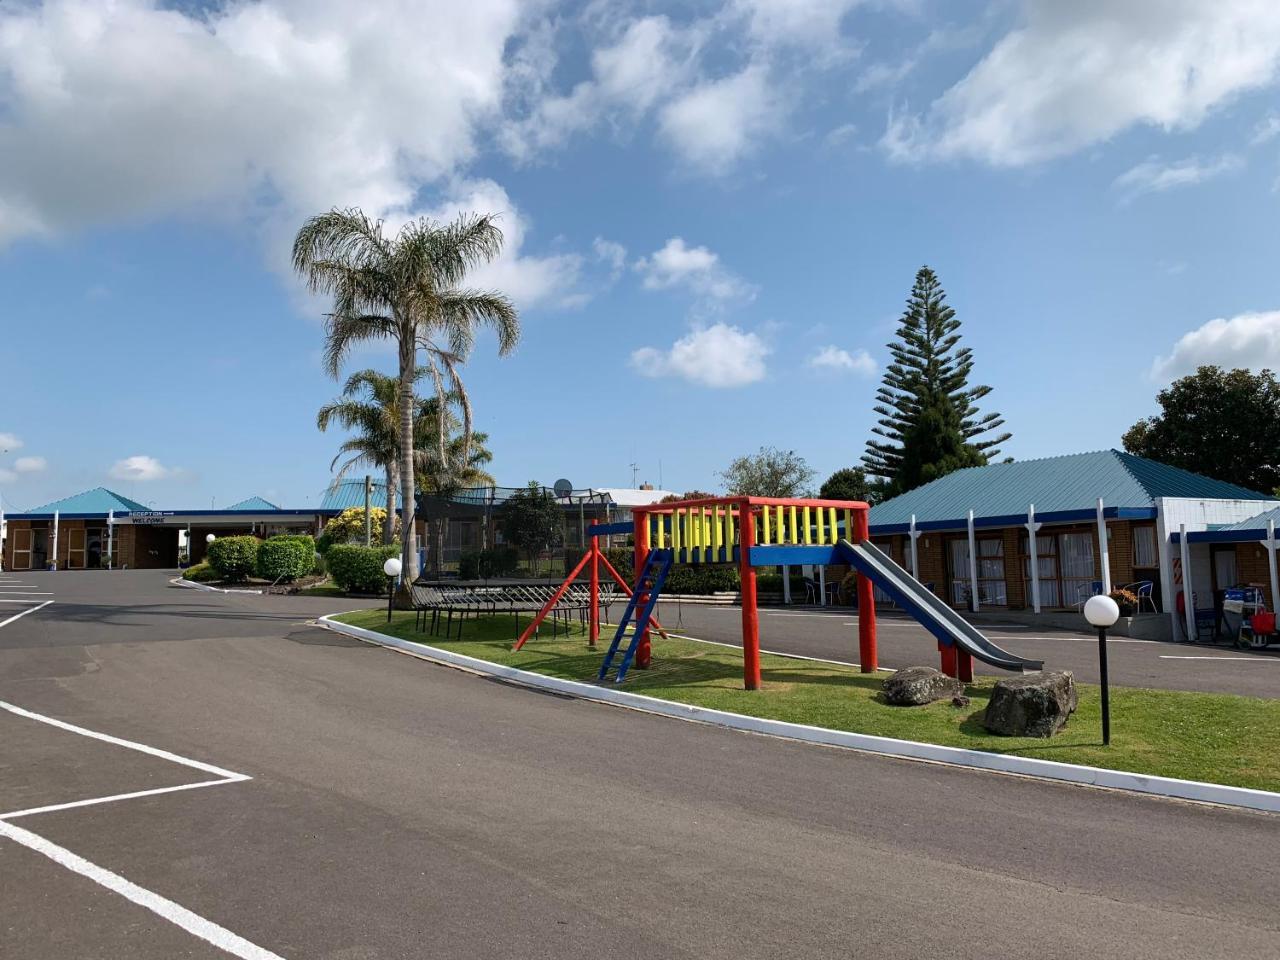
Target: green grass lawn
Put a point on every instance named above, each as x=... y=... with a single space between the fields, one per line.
x=1195 y=736
x=326 y=588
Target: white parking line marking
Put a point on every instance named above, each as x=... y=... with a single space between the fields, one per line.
x=93 y=801
x=18 y=616
x=180 y=916
x=1169 y=656
x=129 y=744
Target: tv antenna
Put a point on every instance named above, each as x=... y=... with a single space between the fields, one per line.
x=635 y=468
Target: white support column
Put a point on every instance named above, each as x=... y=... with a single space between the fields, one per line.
x=111 y=539
x=1 y=534
x=822 y=585
x=1104 y=550
x=973 y=566
x=1270 y=544
x=915 y=559
x=55 y=539
x=786 y=584
x=1188 y=597
x=1034 y=546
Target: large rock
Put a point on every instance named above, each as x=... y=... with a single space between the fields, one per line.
x=1032 y=705
x=915 y=686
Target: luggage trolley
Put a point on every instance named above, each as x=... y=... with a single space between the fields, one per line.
x=1249 y=624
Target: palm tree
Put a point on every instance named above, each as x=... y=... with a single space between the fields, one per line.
x=407 y=288
x=375 y=418
x=463 y=465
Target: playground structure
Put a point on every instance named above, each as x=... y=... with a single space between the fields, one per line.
x=756 y=532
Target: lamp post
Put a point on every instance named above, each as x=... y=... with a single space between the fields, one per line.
x=1102 y=612
x=392 y=569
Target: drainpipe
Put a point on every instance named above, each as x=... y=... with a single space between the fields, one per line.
x=1032 y=542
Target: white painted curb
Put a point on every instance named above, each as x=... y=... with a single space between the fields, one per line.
x=184 y=582
x=888 y=746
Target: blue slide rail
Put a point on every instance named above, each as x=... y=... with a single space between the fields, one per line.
x=931 y=611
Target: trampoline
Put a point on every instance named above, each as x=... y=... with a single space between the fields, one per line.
x=437 y=604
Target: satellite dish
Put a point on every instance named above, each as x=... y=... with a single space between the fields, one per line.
x=563 y=487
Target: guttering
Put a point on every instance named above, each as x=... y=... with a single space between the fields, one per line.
x=1018 y=519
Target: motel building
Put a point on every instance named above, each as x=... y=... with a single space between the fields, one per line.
x=1100 y=521
x=98 y=529
x=101 y=529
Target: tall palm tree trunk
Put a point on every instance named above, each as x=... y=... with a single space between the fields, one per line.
x=389 y=527
x=408 y=369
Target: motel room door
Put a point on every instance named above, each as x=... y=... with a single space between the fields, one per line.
x=75 y=548
x=1224 y=567
x=22 y=538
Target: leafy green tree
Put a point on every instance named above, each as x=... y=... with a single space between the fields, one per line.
x=851 y=483
x=768 y=473
x=929 y=420
x=407 y=288
x=1220 y=423
x=688 y=495
x=532 y=520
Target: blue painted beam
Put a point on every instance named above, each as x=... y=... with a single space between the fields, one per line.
x=773 y=556
x=602 y=529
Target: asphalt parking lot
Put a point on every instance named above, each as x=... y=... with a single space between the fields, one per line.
x=186 y=774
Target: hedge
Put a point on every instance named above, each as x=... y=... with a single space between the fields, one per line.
x=200 y=573
x=701 y=579
x=285 y=558
x=234 y=558
x=358 y=569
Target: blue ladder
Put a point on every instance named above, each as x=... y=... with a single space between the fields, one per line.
x=649 y=584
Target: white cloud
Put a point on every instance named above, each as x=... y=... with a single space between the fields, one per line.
x=612 y=253
x=30 y=464
x=10 y=441
x=527 y=280
x=7 y=476
x=1153 y=176
x=134 y=109
x=717 y=356
x=717 y=123
x=1074 y=74
x=809 y=24
x=140 y=467
x=834 y=358
x=696 y=268
x=1266 y=130
x=1249 y=340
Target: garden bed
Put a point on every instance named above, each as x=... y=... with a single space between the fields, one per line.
x=1216 y=738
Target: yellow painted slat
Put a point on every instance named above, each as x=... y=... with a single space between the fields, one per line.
x=715 y=534
x=676 y=519
x=806 y=531
x=764 y=531
x=833 y=524
x=793 y=527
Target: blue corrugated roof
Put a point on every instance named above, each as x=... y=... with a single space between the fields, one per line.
x=256 y=504
x=98 y=500
x=1254 y=523
x=350 y=493
x=1055 y=484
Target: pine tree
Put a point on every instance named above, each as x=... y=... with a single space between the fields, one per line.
x=929 y=421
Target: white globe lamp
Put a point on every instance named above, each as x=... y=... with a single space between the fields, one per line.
x=1102 y=612
x=391 y=568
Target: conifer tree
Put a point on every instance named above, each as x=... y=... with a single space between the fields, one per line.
x=929 y=421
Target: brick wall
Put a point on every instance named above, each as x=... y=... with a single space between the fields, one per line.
x=1252 y=568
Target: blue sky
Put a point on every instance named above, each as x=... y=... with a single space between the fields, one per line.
x=714 y=214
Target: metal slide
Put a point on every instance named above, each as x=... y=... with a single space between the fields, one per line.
x=919 y=601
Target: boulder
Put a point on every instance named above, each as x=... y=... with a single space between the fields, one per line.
x=1032 y=705
x=915 y=686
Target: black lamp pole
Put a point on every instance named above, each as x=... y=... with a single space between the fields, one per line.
x=1106 y=699
x=391 y=594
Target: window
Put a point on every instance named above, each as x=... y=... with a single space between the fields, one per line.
x=991 y=583
x=1145 y=554
x=1046 y=569
x=1076 y=560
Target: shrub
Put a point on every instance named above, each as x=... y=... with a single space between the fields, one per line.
x=348 y=527
x=698 y=579
x=358 y=569
x=200 y=573
x=772 y=583
x=234 y=558
x=286 y=558
x=323 y=543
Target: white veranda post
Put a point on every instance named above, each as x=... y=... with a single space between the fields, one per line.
x=1188 y=596
x=1033 y=529
x=55 y=540
x=973 y=566
x=111 y=538
x=915 y=559
x=1104 y=550
x=1270 y=544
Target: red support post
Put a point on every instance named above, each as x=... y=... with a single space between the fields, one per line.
x=643 y=652
x=964 y=666
x=948 y=652
x=750 y=616
x=555 y=598
x=593 y=633
x=867 y=658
